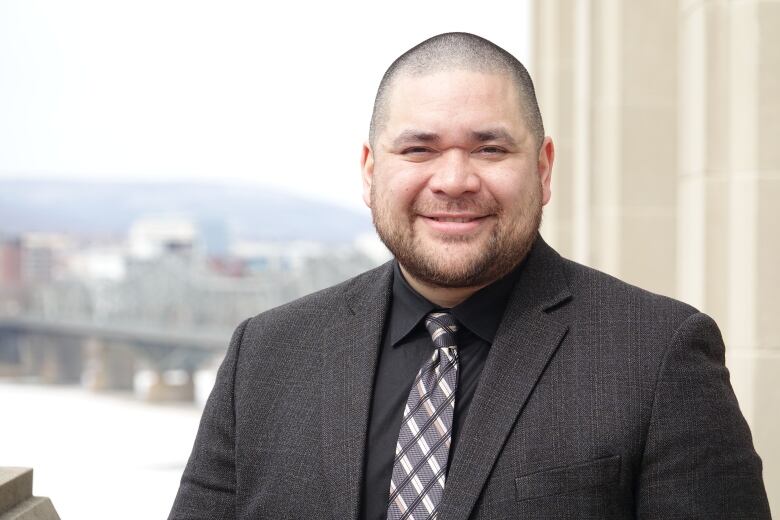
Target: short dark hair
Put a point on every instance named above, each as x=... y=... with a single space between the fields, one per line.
x=458 y=50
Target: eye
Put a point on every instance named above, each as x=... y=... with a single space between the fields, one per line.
x=491 y=150
x=418 y=153
x=416 y=150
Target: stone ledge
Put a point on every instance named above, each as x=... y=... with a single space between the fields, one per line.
x=15 y=486
x=16 y=500
x=34 y=508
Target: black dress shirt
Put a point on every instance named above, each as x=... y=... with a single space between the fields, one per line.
x=405 y=346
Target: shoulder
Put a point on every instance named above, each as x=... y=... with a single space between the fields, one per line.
x=621 y=325
x=321 y=307
x=616 y=318
x=601 y=294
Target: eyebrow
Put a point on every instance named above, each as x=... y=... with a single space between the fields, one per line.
x=493 y=134
x=415 y=136
x=419 y=136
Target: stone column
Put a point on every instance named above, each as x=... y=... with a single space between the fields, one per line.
x=170 y=385
x=55 y=360
x=729 y=183
x=610 y=102
x=667 y=117
x=108 y=366
x=553 y=74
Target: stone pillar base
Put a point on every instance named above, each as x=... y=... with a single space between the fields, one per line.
x=165 y=386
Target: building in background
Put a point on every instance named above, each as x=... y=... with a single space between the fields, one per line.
x=666 y=117
x=42 y=256
x=10 y=261
x=153 y=236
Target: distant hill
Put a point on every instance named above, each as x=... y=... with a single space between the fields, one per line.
x=102 y=209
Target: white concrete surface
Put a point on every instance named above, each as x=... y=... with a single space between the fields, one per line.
x=96 y=456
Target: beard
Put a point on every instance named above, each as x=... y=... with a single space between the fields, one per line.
x=459 y=261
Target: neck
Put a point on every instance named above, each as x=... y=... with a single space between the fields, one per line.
x=445 y=297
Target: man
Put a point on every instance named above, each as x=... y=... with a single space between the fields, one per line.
x=479 y=375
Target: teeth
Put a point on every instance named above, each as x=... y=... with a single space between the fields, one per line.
x=444 y=219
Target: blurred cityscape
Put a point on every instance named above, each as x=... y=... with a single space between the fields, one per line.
x=151 y=310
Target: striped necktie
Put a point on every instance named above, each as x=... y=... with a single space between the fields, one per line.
x=420 y=466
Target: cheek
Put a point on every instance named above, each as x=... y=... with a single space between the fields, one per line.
x=400 y=189
x=513 y=184
x=507 y=188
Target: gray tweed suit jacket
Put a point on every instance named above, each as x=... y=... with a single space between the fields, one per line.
x=598 y=400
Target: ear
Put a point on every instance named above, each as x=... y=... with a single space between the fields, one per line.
x=544 y=167
x=367 y=167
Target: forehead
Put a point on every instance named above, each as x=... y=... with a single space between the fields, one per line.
x=454 y=100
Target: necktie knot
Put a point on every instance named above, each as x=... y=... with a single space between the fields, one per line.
x=442 y=327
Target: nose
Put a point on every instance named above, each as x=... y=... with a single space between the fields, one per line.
x=454 y=175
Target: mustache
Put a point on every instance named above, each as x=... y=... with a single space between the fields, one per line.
x=460 y=205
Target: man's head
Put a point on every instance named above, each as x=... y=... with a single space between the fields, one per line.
x=452 y=51
x=457 y=167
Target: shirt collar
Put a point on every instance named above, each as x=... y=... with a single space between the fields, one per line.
x=408 y=307
x=481 y=313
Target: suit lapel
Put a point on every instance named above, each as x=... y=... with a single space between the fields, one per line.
x=524 y=343
x=351 y=349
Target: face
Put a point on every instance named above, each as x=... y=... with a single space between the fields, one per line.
x=455 y=180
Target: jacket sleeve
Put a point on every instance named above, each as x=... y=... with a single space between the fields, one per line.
x=698 y=459
x=208 y=485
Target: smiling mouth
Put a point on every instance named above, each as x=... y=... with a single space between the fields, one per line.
x=456 y=225
x=455 y=219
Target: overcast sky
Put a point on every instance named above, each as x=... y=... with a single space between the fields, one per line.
x=274 y=93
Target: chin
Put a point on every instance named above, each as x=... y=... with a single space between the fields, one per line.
x=466 y=263
x=461 y=273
